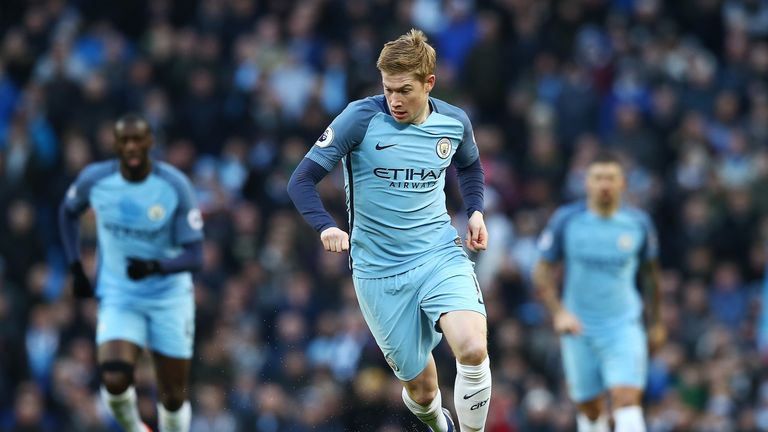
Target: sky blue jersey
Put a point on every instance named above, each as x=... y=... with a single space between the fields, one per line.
x=150 y=219
x=601 y=258
x=394 y=181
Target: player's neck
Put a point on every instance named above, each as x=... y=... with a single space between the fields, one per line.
x=604 y=211
x=424 y=114
x=137 y=175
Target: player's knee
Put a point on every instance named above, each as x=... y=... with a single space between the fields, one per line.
x=173 y=398
x=116 y=376
x=622 y=399
x=592 y=409
x=423 y=395
x=472 y=352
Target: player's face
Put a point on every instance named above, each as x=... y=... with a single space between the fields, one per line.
x=133 y=141
x=605 y=183
x=407 y=96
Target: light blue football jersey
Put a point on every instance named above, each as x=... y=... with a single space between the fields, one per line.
x=150 y=219
x=394 y=181
x=601 y=258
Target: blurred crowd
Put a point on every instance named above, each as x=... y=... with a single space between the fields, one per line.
x=238 y=90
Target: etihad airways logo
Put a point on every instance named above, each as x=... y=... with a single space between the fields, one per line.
x=410 y=178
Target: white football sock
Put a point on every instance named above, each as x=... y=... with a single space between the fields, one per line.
x=629 y=419
x=431 y=415
x=472 y=395
x=174 y=421
x=124 y=409
x=584 y=424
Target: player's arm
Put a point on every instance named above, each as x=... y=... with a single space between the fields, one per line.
x=469 y=171
x=545 y=273
x=190 y=259
x=545 y=280
x=74 y=204
x=302 y=188
x=471 y=185
x=651 y=287
x=649 y=280
x=345 y=132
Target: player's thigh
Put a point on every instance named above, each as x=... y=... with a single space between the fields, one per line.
x=448 y=284
x=626 y=396
x=582 y=368
x=119 y=321
x=402 y=331
x=172 y=327
x=624 y=351
x=172 y=377
x=466 y=333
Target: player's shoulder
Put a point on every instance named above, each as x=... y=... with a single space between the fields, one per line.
x=95 y=171
x=442 y=107
x=177 y=179
x=566 y=212
x=637 y=214
x=367 y=106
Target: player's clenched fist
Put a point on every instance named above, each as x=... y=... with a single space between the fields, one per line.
x=477 y=235
x=566 y=322
x=334 y=240
x=657 y=336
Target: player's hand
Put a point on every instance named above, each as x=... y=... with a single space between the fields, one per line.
x=139 y=269
x=657 y=337
x=81 y=285
x=477 y=235
x=566 y=322
x=334 y=240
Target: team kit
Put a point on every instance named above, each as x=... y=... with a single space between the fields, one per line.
x=411 y=269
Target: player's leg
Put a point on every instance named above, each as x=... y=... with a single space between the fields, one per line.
x=171 y=337
x=466 y=333
x=120 y=334
x=591 y=417
x=627 y=409
x=452 y=299
x=174 y=411
x=625 y=351
x=585 y=384
x=422 y=397
x=391 y=309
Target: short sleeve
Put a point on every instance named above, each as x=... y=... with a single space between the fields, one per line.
x=188 y=224
x=551 y=240
x=467 y=151
x=77 y=197
x=345 y=132
x=650 y=248
x=187 y=219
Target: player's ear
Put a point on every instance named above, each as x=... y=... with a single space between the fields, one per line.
x=430 y=82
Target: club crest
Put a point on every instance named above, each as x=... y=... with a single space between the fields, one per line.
x=156 y=212
x=443 y=148
x=625 y=242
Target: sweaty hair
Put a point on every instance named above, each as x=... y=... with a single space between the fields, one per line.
x=410 y=53
x=607 y=157
x=132 y=118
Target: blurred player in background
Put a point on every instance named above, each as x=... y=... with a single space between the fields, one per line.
x=602 y=245
x=412 y=277
x=150 y=238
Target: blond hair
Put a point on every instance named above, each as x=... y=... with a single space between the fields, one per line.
x=410 y=53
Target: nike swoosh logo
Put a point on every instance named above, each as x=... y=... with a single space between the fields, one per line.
x=382 y=147
x=473 y=394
